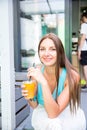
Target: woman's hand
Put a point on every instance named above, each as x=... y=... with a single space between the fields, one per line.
x=32 y=103
x=36 y=74
x=24 y=92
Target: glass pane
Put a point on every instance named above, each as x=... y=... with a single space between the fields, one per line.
x=61 y=27
x=35 y=23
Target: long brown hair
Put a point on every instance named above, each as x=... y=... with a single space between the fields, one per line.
x=63 y=62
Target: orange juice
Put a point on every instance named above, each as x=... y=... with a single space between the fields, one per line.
x=30 y=87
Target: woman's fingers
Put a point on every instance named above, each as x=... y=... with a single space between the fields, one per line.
x=24 y=92
x=30 y=71
x=22 y=86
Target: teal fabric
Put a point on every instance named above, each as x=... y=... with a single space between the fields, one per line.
x=60 y=87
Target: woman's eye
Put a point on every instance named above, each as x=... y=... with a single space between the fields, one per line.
x=53 y=49
x=42 y=49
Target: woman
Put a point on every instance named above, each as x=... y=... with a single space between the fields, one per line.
x=56 y=101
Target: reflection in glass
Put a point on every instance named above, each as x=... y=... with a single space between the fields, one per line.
x=34 y=25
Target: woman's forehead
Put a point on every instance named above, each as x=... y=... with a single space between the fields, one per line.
x=47 y=41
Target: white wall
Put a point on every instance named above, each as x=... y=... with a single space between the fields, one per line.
x=7 y=65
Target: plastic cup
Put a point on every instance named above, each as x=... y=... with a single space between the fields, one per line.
x=30 y=87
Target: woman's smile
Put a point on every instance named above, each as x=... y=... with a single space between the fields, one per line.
x=47 y=59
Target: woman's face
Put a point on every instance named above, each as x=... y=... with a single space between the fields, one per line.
x=47 y=52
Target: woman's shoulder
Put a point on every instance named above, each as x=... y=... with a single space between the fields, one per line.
x=76 y=75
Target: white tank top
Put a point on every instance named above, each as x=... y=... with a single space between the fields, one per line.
x=84 y=31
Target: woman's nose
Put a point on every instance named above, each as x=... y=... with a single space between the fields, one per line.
x=47 y=52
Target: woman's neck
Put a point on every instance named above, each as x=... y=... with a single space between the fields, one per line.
x=50 y=70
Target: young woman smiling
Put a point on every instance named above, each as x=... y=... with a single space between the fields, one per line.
x=57 y=95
